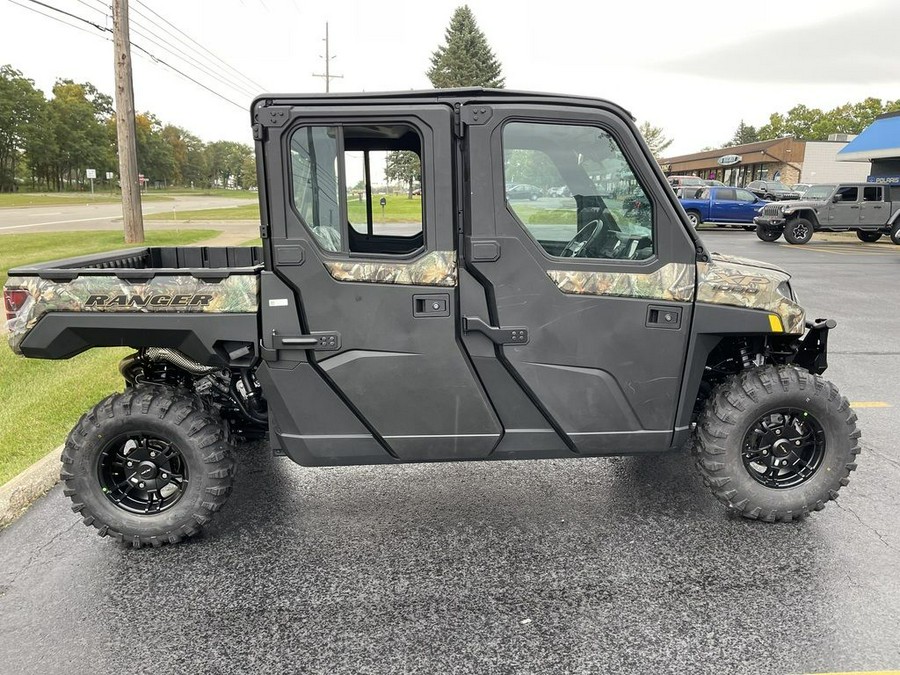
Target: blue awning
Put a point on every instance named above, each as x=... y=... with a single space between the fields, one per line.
x=879 y=140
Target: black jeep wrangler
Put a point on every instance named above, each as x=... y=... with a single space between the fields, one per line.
x=481 y=328
x=869 y=210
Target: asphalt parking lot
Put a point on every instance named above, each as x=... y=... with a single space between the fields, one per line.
x=621 y=565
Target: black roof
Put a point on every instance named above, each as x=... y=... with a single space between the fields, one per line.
x=459 y=95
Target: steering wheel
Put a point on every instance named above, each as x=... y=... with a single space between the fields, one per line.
x=582 y=239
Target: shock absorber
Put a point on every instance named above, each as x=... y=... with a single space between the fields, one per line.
x=746 y=360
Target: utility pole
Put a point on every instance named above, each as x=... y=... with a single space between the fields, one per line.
x=125 y=133
x=327 y=75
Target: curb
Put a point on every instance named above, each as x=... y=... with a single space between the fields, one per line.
x=23 y=490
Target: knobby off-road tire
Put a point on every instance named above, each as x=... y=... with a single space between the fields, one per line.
x=868 y=237
x=767 y=234
x=798 y=231
x=895 y=233
x=144 y=420
x=737 y=405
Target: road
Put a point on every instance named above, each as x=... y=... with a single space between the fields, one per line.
x=621 y=565
x=68 y=217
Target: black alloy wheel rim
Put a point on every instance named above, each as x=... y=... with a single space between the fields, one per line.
x=800 y=231
x=142 y=473
x=783 y=448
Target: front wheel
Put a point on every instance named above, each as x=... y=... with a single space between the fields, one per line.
x=148 y=466
x=767 y=233
x=868 y=237
x=775 y=443
x=798 y=231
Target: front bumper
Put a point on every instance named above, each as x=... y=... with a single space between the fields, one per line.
x=812 y=352
x=769 y=221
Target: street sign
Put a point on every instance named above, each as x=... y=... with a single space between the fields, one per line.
x=91 y=173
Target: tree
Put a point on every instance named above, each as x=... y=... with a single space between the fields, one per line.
x=78 y=116
x=465 y=59
x=404 y=166
x=655 y=138
x=20 y=103
x=813 y=124
x=745 y=133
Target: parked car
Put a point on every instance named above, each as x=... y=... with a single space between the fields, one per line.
x=689 y=191
x=801 y=187
x=714 y=183
x=636 y=205
x=723 y=205
x=772 y=190
x=523 y=191
x=869 y=210
x=560 y=191
x=681 y=181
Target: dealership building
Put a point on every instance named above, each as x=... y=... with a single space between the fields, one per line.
x=785 y=159
x=878 y=147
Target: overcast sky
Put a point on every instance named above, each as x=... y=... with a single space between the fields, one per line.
x=695 y=68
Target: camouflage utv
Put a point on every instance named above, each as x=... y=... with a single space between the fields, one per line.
x=479 y=327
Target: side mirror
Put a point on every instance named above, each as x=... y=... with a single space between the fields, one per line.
x=836 y=199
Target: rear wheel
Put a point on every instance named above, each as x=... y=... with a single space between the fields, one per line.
x=148 y=466
x=798 y=231
x=868 y=237
x=895 y=233
x=694 y=219
x=767 y=233
x=776 y=443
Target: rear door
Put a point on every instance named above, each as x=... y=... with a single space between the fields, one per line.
x=873 y=211
x=360 y=314
x=587 y=308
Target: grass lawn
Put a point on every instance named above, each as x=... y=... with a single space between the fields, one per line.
x=23 y=199
x=41 y=400
x=398 y=209
x=208 y=192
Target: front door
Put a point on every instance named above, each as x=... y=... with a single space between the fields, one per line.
x=593 y=303
x=845 y=212
x=360 y=311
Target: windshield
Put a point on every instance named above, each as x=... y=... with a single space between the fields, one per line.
x=777 y=186
x=818 y=192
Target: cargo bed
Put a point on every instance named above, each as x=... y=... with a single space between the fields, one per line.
x=200 y=299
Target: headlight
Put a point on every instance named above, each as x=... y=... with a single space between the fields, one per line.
x=784 y=209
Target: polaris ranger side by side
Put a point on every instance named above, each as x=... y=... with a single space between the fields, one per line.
x=478 y=328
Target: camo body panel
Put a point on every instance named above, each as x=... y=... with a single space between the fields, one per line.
x=438 y=268
x=674 y=282
x=739 y=282
x=238 y=293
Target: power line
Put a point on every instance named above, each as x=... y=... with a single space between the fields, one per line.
x=217 y=58
x=93 y=7
x=104 y=29
x=174 y=51
x=185 y=75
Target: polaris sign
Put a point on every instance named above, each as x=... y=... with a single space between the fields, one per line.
x=728 y=160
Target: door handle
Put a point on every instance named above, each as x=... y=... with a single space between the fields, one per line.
x=854 y=207
x=499 y=336
x=662 y=316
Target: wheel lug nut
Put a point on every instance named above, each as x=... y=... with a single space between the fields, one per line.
x=152 y=453
x=777 y=433
x=140 y=485
x=765 y=452
x=796 y=442
x=130 y=463
x=165 y=475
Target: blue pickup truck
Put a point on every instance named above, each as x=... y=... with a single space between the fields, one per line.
x=721 y=205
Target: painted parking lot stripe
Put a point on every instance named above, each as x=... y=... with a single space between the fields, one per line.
x=847 y=249
x=870 y=404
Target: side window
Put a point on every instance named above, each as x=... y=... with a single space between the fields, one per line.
x=872 y=194
x=725 y=194
x=745 y=196
x=314 y=171
x=370 y=173
x=848 y=194
x=572 y=189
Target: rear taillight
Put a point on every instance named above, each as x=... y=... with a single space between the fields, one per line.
x=13 y=300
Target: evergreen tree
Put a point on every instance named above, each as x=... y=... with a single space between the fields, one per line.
x=655 y=138
x=745 y=133
x=465 y=59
